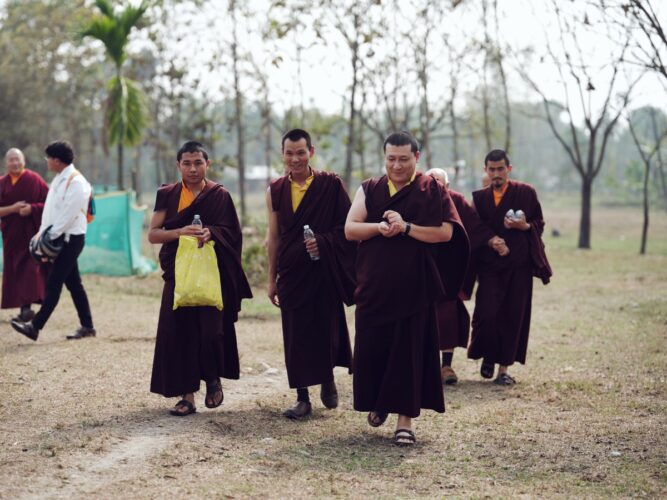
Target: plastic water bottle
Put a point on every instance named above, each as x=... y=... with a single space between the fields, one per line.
x=518 y=215
x=197 y=222
x=510 y=214
x=309 y=235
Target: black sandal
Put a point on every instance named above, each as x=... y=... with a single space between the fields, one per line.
x=213 y=388
x=404 y=437
x=183 y=403
x=504 y=379
x=377 y=418
x=487 y=369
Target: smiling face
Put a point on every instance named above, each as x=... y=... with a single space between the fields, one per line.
x=14 y=162
x=296 y=157
x=193 y=167
x=498 y=173
x=400 y=163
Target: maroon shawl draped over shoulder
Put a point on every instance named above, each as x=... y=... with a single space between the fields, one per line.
x=526 y=247
x=23 y=278
x=312 y=293
x=199 y=343
x=324 y=208
x=401 y=275
x=396 y=362
x=453 y=317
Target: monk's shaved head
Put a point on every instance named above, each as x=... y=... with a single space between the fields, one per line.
x=15 y=151
x=439 y=174
x=14 y=161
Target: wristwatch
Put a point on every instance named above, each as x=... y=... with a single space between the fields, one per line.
x=408 y=226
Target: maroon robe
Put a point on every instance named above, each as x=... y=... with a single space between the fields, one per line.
x=23 y=278
x=399 y=280
x=199 y=343
x=312 y=293
x=501 y=320
x=453 y=317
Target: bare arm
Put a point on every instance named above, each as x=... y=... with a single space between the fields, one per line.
x=356 y=227
x=157 y=233
x=427 y=234
x=12 y=209
x=272 y=248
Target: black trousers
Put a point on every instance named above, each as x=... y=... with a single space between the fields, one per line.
x=65 y=271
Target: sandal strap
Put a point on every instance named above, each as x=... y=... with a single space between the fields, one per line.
x=404 y=436
x=186 y=403
x=214 y=386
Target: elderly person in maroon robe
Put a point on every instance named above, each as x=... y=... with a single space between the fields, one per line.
x=310 y=279
x=413 y=252
x=197 y=343
x=501 y=320
x=22 y=196
x=453 y=317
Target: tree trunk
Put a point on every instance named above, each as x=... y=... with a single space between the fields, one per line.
x=353 y=111
x=120 y=165
x=647 y=173
x=238 y=117
x=585 y=221
x=136 y=172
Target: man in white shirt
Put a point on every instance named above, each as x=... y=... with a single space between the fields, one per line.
x=65 y=218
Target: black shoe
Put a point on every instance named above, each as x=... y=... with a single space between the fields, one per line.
x=300 y=410
x=25 y=328
x=487 y=369
x=82 y=332
x=329 y=395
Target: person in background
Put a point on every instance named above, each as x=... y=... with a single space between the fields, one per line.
x=65 y=219
x=453 y=317
x=501 y=320
x=22 y=196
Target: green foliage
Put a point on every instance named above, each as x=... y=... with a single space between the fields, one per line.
x=114 y=30
x=126 y=111
x=255 y=263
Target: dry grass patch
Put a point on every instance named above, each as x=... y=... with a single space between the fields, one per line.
x=587 y=418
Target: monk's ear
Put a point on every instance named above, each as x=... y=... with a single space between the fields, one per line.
x=312 y=150
x=509 y=168
x=417 y=154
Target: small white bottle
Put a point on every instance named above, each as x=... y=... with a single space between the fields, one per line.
x=197 y=222
x=308 y=235
x=518 y=215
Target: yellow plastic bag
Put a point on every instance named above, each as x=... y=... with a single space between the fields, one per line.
x=197 y=275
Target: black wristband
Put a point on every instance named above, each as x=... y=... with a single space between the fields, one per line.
x=408 y=226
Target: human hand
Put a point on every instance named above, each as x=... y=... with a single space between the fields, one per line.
x=16 y=207
x=204 y=236
x=388 y=230
x=273 y=293
x=25 y=210
x=311 y=247
x=516 y=223
x=394 y=218
x=503 y=250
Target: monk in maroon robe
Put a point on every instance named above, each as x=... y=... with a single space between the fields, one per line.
x=453 y=317
x=22 y=196
x=197 y=343
x=501 y=320
x=310 y=279
x=413 y=252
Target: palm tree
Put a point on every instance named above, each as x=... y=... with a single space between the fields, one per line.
x=125 y=114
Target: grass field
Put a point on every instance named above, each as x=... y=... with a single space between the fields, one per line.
x=586 y=419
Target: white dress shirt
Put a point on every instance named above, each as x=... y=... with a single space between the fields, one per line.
x=66 y=206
